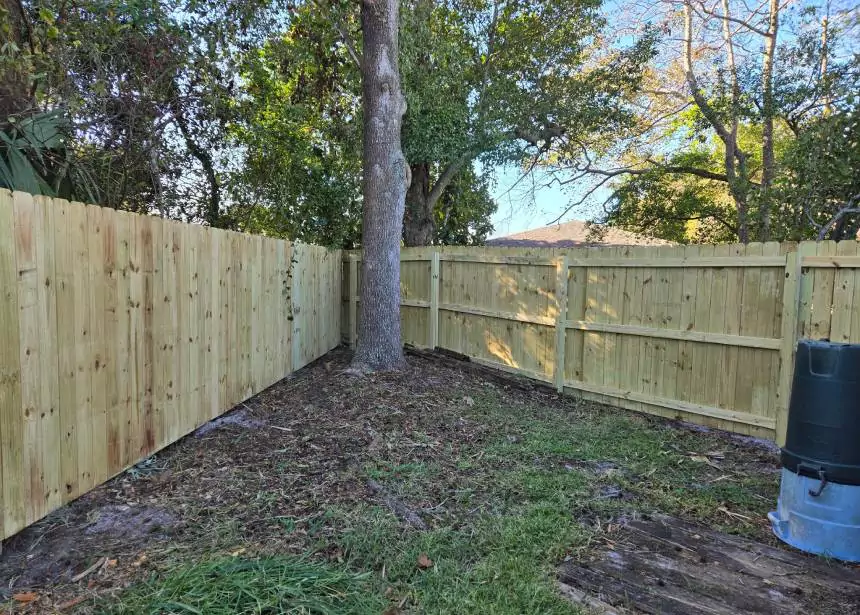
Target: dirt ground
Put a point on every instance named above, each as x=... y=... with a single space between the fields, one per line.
x=263 y=478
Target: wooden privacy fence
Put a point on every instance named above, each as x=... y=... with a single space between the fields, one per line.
x=121 y=333
x=700 y=333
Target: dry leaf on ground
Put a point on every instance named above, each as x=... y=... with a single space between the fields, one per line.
x=424 y=562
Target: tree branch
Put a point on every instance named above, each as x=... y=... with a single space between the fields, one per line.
x=445 y=178
x=591 y=191
x=847 y=210
x=213 y=208
x=25 y=21
x=545 y=135
x=690 y=75
x=682 y=169
x=344 y=36
x=741 y=22
x=608 y=174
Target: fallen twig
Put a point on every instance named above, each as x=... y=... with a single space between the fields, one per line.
x=733 y=515
x=89 y=570
x=70 y=603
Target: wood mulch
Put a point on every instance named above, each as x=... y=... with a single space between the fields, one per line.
x=285 y=456
x=260 y=480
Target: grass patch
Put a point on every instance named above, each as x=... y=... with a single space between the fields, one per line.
x=497 y=564
x=288 y=585
x=521 y=501
x=509 y=486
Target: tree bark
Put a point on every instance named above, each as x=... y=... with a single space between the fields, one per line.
x=735 y=159
x=421 y=230
x=418 y=225
x=767 y=112
x=386 y=177
x=731 y=144
x=822 y=73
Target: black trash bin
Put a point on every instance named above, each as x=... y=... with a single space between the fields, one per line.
x=819 y=499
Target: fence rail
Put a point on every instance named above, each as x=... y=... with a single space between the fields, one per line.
x=701 y=333
x=121 y=333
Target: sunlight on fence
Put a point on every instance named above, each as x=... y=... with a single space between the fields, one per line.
x=699 y=333
x=121 y=333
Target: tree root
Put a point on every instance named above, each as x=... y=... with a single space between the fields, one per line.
x=397 y=506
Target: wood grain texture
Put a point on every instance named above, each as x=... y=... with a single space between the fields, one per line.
x=28 y=245
x=135 y=330
x=562 y=275
x=695 y=333
x=12 y=495
x=669 y=566
x=121 y=333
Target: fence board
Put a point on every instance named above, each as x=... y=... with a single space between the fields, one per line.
x=48 y=376
x=67 y=368
x=696 y=332
x=731 y=309
x=686 y=323
x=748 y=325
x=769 y=323
x=822 y=294
x=12 y=494
x=672 y=322
x=148 y=228
x=121 y=333
x=27 y=237
x=115 y=250
x=647 y=349
x=98 y=341
x=633 y=345
x=256 y=317
x=854 y=335
x=79 y=276
x=843 y=293
x=173 y=297
x=593 y=342
x=575 y=341
x=160 y=329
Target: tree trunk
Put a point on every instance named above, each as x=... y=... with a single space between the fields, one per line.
x=211 y=211
x=418 y=225
x=15 y=94
x=739 y=189
x=735 y=159
x=822 y=73
x=384 y=188
x=767 y=112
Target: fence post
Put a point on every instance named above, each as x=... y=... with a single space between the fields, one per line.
x=790 y=303
x=353 y=301
x=433 y=341
x=562 y=269
x=297 y=266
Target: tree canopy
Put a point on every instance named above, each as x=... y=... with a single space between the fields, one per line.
x=746 y=127
x=690 y=120
x=130 y=100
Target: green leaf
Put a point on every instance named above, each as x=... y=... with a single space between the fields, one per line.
x=43 y=131
x=24 y=176
x=6 y=179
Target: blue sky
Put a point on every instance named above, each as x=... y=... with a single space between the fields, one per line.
x=526 y=206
